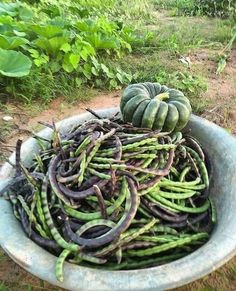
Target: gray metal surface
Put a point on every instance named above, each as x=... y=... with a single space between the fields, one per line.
x=221 y=148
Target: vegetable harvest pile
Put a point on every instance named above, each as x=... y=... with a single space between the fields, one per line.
x=112 y=196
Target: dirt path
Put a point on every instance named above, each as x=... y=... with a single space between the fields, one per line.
x=221 y=93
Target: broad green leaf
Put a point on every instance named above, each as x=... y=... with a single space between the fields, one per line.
x=14 y=64
x=94 y=71
x=52 y=45
x=34 y=53
x=65 y=47
x=113 y=83
x=119 y=77
x=40 y=60
x=84 y=48
x=5 y=29
x=90 y=49
x=55 y=67
x=6 y=19
x=99 y=42
x=78 y=81
x=110 y=75
x=19 y=33
x=99 y=83
x=104 y=68
x=74 y=60
x=47 y=31
x=87 y=67
x=82 y=26
x=25 y=14
x=87 y=25
x=87 y=74
x=11 y=42
x=9 y=8
x=107 y=71
x=80 y=43
x=56 y=43
x=96 y=63
x=129 y=77
x=84 y=54
x=108 y=44
x=67 y=66
x=87 y=71
x=59 y=21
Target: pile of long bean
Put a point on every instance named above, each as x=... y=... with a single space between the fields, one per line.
x=111 y=196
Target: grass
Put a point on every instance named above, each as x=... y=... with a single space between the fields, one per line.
x=6 y=128
x=5 y=131
x=44 y=87
x=179 y=35
x=217 y=8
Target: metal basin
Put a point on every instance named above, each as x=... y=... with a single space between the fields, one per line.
x=221 y=147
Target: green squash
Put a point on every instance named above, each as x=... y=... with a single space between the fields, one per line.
x=155 y=106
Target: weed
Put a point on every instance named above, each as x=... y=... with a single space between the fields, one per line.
x=3 y=257
x=224 y=54
x=3 y=287
x=36 y=85
x=176 y=36
x=6 y=128
x=133 y=9
x=164 y=4
x=222 y=31
x=186 y=82
x=178 y=7
x=82 y=94
x=43 y=86
x=182 y=34
x=215 y=8
x=191 y=85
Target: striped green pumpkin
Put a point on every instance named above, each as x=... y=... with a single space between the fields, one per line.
x=155 y=106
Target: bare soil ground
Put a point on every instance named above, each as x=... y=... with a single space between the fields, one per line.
x=221 y=95
x=221 y=91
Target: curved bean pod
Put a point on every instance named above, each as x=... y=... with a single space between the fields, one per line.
x=129 y=213
x=168 y=246
x=54 y=232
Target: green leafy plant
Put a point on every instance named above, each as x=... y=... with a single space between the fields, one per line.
x=10 y=9
x=11 y=42
x=225 y=53
x=193 y=86
x=184 y=81
x=212 y=8
x=14 y=64
x=216 y=8
x=67 y=38
x=178 y=6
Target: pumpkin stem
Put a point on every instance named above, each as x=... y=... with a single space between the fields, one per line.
x=162 y=96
